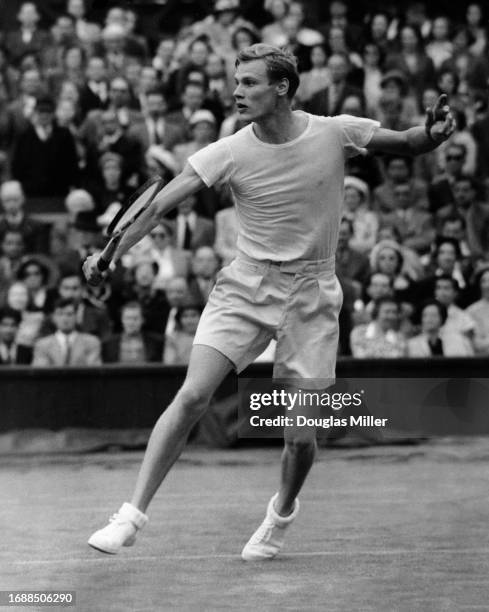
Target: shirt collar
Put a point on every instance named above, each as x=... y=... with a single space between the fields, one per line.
x=63 y=338
x=191 y=217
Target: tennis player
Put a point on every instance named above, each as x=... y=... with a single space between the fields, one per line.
x=286 y=170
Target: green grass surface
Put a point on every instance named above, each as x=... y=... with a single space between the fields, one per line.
x=380 y=529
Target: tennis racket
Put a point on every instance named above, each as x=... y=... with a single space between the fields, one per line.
x=126 y=216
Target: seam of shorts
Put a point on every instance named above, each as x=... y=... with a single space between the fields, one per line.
x=288 y=299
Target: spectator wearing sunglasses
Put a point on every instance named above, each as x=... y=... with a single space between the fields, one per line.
x=441 y=189
x=171 y=261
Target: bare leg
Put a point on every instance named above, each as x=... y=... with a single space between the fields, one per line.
x=207 y=369
x=297 y=459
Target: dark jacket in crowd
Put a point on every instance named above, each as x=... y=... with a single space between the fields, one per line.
x=23 y=356
x=45 y=168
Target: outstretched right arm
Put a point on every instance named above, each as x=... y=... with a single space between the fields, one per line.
x=181 y=187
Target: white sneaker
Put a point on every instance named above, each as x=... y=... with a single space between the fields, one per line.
x=121 y=530
x=269 y=538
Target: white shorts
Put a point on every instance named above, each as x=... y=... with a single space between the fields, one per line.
x=297 y=303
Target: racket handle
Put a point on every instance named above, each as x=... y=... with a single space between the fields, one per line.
x=107 y=254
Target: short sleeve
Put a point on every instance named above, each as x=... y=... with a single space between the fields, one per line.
x=214 y=163
x=355 y=133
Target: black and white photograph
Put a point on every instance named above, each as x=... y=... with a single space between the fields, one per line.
x=244 y=305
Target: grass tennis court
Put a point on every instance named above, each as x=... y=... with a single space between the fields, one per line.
x=400 y=528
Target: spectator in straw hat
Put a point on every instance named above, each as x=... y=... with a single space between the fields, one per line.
x=274 y=33
x=171 y=260
x=219 y=26
x=395 y=106
x=357 y=209
x=161 y=162
x=203 y=130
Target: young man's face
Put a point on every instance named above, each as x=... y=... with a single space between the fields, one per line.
x=379 y=286
x=402 y=196
x=388 y=315
x=156 y=105
x=12 y=245
x=71 y=288
x=453 y=229
x=193 y=97
x=65 y=319
x=444 y=292
x=31 y=82
x=203 y=131
x=110 y=124
x=96 y=70
x=205 y=263
x=111 y=172
x=8 y=330
x=190 y=320
x=454 y=159
x=338 y=68
x=119 y=92
x=397 y=170
x=464 y=193
x=33 y=277
x=256 y=96
x=446 y=256
x=144 y=275
x=44 y=118
x=430 y=319
x=176 y=291
x=199 y=53
x=132 y=320
x=388 y=261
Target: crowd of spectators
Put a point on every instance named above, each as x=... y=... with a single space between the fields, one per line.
x=89 y=110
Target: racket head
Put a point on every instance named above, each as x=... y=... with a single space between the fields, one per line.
x=135 y=206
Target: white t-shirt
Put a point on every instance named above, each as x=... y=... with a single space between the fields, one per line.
x=288 y=196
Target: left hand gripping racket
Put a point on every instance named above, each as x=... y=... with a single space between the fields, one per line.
x=126 y=216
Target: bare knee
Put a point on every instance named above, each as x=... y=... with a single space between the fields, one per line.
x=192 y=400
x=301 y=444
